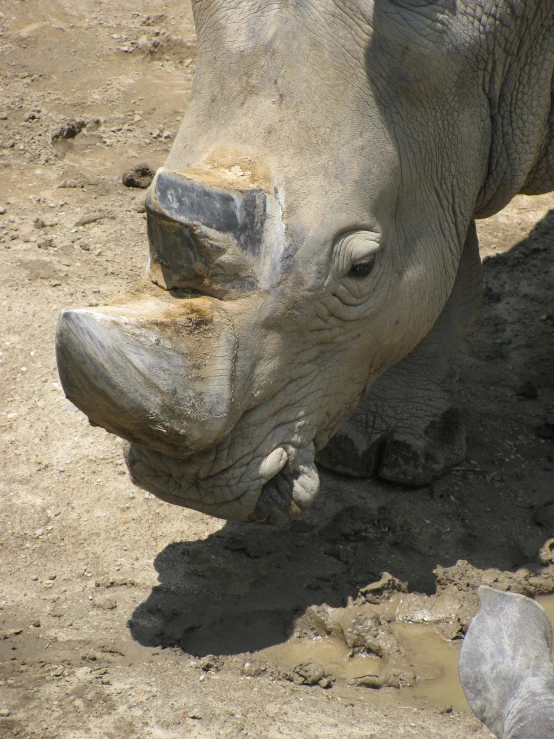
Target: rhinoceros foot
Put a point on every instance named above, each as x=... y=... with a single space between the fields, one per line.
x=401 y=452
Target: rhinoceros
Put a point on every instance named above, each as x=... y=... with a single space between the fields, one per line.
x=314 y=275
x=506 y=666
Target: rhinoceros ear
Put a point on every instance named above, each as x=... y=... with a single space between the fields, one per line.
x=508 y=642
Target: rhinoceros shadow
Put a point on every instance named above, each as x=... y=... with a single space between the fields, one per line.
x=240 y=589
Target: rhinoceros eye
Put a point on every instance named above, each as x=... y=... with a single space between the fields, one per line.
x=362 y=269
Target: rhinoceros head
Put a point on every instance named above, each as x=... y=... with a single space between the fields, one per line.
x=304 y=236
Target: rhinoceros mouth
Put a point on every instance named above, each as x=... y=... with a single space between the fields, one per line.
x=229 y=494
x=287 y=495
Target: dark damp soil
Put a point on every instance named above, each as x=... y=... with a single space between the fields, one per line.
x=122 y=616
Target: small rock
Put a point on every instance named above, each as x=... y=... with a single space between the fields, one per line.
x=383 y=588
x=211 y=663
x=2 y=210
x=140 y=175
x=12 y=632
x=194 y=713
x=251 y=669
x=528 y=390
x=546 y=552
x=47 y=243
x=68 y=130
x=39 y=223
x=308 y=673
x=153 y=19
x=5 y=712
x=35 y=623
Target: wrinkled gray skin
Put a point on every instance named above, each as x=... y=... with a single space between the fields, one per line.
x=314 y=226
x=506 y=666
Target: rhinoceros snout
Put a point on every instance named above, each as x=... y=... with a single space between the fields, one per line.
x=154 y=373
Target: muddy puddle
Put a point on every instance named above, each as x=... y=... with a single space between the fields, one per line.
x=435 y=662
x=331 y=654
x=433 y=658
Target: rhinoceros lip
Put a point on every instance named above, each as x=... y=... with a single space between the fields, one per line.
x=276 y=504
x=280 y=499
x=287 y=495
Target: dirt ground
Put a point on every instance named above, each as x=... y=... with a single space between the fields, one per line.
x=125 y=617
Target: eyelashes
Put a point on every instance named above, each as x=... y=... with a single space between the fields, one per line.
x=362 y=269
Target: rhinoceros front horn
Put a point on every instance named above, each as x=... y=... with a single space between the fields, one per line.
x=156 y=371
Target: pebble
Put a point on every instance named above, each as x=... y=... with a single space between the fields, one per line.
x=211 y=663
x=309 y=673
x=546 y=553
x=5 y=712
x=141 y=175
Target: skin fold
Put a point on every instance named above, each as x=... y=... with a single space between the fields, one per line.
x=312 y=235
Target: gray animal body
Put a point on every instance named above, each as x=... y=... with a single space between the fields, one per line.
x=314 y=276
x=506 y=666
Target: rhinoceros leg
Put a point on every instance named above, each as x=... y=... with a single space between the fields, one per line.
x=408 y=428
